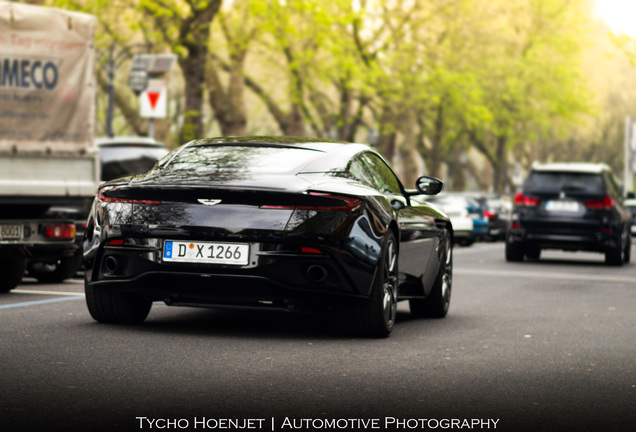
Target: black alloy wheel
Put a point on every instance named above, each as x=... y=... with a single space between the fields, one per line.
x=375 y=316
x=437 y=304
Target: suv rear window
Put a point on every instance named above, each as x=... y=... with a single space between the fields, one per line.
x=556 y=182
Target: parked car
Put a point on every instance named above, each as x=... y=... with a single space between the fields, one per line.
x=631 y=205
x=474 y=209
x=498 y=210
x=573 y=207
x=283 y=223
x=119 y=157
x=463 y=234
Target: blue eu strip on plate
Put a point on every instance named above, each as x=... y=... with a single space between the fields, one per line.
x=168 y=250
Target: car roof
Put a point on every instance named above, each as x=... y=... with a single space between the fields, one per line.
x=319 y=144
x=331 y=155
x=127 y=141
x=575 y=167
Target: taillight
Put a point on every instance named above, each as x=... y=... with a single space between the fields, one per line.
x=335 y=203
x=310 y=250
x=605 y=204
x=346 y=203
x=60 y=231
x=525 y=201
x=102 y=198
x=490 y=215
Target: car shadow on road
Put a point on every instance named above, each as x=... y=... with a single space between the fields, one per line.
x=247 y=324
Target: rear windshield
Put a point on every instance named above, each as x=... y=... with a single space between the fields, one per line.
x=557 y=182
x=233 y=158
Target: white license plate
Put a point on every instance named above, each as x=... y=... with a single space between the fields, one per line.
x=562 y=206
x=10 y=232
x=206 y=252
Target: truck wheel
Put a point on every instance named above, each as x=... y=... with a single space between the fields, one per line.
x=11 y=271
x=115 y=308
x=64 y=268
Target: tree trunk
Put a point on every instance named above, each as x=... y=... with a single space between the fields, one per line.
x=388 y=135
x=194 y=34
x=457 y=171
x=295 y=124
x=229 y=107
x=435 y=155
x=501 y=165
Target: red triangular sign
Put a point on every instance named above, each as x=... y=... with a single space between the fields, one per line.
x=153 y=97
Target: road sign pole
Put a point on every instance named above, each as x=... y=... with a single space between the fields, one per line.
x=151 y=127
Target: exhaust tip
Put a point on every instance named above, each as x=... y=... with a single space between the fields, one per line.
x=317 y=273
x=111 y=264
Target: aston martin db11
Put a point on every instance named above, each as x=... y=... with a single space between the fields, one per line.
x=286 y=223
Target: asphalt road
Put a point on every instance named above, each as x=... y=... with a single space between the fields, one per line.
x=541 y=346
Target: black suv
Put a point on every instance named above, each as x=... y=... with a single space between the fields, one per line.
x=570 y=206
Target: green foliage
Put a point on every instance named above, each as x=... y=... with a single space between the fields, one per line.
x=504 y=77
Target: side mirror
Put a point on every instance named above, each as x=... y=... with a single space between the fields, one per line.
x=429 y=185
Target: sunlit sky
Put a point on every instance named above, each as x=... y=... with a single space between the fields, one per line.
x=620 y=15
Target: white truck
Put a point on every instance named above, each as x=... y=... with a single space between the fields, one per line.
x=49 y=167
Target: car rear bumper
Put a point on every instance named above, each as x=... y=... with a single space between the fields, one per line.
x=592 y=241
x=273 y=278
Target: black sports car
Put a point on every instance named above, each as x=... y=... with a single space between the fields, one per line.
x=273 y=222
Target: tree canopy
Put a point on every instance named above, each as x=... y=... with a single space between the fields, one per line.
x=466 y=90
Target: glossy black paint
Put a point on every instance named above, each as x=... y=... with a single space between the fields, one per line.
x=287 y=198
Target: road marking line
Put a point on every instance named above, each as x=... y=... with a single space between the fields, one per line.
x=544 y=275
x=476 y=249
x=14 y=305
x=21 y=291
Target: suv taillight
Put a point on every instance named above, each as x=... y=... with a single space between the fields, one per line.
x=605 y=204
x=525 y=201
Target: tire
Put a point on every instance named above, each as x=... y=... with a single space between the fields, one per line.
x=534 y=254
x=11 y=272
x=514 y=253
x=466 y=241
x=627 y=254
x=436 y=305
x=64 y=268
x=375 y=316
x=614 y=257
x=115 y=308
